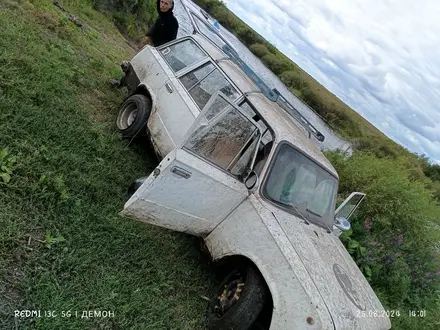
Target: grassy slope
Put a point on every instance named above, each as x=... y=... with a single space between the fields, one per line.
x=72 y=171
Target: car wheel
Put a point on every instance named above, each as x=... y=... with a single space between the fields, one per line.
x=238 y=301
x=133 y=116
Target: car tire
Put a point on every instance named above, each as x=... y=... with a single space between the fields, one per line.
x=133 y=116
x=241 y=314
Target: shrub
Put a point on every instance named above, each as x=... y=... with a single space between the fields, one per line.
x=275 y=64
x=225 y=17
x=435 y=187
x=398 y=224
x=378 y=146
x=132 y=17
x=259 y=50
x=291 y=79
x=432 y=171
x=248 y=36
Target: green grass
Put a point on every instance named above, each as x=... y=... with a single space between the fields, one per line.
x=69 y=180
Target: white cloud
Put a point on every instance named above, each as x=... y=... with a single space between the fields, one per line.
x=382 y=58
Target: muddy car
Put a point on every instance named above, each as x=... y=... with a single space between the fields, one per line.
x=240 y=169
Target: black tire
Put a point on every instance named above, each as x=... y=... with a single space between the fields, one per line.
x=133 y=116
x=258 y=326
x=243 y=313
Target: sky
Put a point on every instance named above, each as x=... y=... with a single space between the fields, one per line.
x=382 y=58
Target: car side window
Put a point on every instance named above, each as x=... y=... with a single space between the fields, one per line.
x=266 y=141
x=204 y=82
x=182 y=54
x=228 y=140
x=194 y=77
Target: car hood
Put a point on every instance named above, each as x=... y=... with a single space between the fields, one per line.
x=346 y=293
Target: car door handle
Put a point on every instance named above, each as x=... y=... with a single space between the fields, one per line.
x=181 y=172
x=169 y=88
x=166 y=51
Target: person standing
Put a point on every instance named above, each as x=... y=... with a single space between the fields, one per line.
x=164 y=30
x=166 y=26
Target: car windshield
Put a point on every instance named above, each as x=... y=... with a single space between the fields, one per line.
x=299 y=185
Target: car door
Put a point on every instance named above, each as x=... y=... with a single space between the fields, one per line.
x=183 y=96
x=200 y=183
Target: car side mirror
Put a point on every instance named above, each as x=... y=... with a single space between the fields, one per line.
x=342 y=224
x=251 y=180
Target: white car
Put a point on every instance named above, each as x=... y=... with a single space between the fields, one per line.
x=242 y=172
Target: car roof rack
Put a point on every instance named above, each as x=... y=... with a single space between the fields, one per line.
x=272 y=94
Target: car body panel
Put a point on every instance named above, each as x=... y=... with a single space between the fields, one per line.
x=194 y=205
x=294 y=296
x=305 y=271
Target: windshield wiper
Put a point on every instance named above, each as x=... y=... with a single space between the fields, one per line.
x=302 y=216
x=326 y=226
x=307 y=222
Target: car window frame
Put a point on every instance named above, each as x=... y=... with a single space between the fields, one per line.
x=197 y=65
x=237 y=108
x=243 y=100
x=205 y=24
x=238 y=92
x=188 y=68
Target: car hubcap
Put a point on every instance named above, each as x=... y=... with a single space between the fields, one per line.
x=131 y=117
x=229 y=295
x=128 y=116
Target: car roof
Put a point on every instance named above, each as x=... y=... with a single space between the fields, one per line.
x=208 y=46
x=285 y=127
